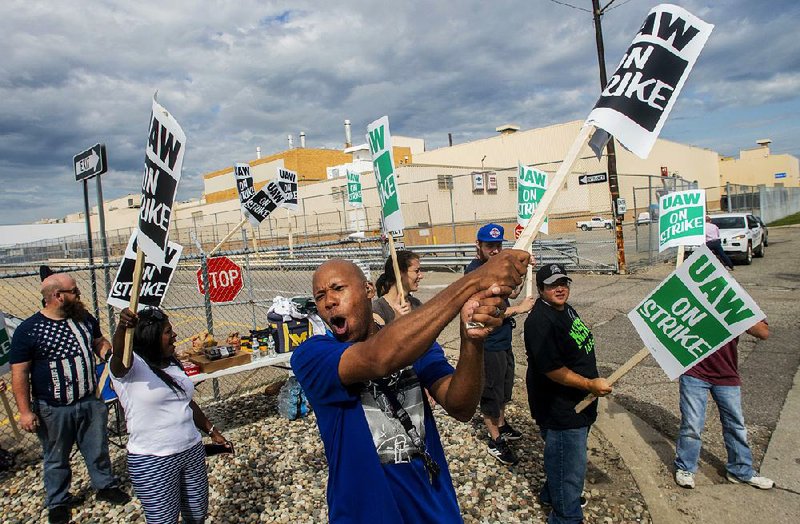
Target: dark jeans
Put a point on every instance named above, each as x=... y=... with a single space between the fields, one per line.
x=565 y=470
x=84 y=423
x=716 y=247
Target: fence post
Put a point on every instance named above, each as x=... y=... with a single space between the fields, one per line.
x=249 y=276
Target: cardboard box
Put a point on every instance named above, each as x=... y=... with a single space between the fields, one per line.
x=210 y=366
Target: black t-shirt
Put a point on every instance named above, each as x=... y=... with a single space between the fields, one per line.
x=555 y=339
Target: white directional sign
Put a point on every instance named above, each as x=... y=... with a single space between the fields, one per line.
x=90 y=163
x=592 y=179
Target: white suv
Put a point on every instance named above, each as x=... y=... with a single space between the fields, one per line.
x=741 y=234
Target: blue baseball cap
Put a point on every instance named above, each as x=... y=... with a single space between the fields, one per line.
x=491 y=233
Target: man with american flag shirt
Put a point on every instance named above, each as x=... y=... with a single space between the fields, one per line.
x=53 y=361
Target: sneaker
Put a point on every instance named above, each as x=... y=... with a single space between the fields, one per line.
x=113 y=495
x=508 y=433
x=59 y=515
x=756 y=482
x=684 y=479
x=500 y=450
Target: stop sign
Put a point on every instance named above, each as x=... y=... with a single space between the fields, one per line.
x=518 y=231
x=224 y=278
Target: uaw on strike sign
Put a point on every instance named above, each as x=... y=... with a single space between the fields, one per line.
x=166 y=144
x=681 y=219
x=155 y=280
x=640 y=94
x=380 y=145
x=693 y=312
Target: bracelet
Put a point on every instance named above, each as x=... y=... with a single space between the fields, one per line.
x=211 y=430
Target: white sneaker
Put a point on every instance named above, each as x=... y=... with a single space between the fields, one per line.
x=684 y=479
x=756 y=482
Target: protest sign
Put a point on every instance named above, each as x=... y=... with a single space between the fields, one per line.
x=640 y=94
x=287 y=182
x=244 y=182
x=693 y=312
x=681 y=219
x=380 y=146
x=354 y=189
x=155 y=279
x=162 y=170
x=263 y=203
x=531 y=185
x=5 y=346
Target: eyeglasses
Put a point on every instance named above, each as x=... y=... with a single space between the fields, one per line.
x=74 y=291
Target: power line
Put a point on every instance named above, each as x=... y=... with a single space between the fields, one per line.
x=570 y=5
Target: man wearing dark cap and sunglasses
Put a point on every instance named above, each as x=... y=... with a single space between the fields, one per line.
x=52 y=358
x=561 y=371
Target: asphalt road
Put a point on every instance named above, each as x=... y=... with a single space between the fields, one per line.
x=767 y=367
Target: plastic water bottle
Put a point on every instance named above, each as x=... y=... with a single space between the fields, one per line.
x=270 y=348
x=255 y=354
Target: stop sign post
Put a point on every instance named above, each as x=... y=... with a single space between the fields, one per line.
x=224 y=279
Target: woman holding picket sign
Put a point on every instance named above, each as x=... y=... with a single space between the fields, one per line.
x=389 y=303
x=166 y=458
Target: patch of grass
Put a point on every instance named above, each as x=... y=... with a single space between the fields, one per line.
x=786 y=221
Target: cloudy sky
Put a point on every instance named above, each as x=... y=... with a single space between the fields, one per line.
x=242 y=74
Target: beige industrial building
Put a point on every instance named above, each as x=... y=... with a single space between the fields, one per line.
x=445 y=193
x=757 y=166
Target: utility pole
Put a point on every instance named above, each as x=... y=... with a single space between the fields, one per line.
x=613 y=184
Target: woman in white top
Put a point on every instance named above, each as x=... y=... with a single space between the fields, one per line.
x=166 y=458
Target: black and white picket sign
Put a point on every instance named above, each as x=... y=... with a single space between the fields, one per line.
x=155 y=280
x=166 y=145
x=263 y=203
x=640 y=94
x=287 y=181
x=244 y=182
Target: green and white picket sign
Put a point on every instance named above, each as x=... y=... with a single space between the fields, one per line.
x=681 y=219
x=380 y=145
x=531 y=185
x=354 y=197
x=693 y=312
x=5 y=346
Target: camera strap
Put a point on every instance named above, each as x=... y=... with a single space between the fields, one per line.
x=408 y=425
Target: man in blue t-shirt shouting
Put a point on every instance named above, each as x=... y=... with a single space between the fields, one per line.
x=498 y=357
x=385 y=460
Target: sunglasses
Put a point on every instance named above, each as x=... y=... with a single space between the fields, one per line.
x=152 y=315
x=74 y=291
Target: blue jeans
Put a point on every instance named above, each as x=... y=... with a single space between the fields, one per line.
x=694 y=394
x=565 y=470
x=84 y=423
x=716 y=247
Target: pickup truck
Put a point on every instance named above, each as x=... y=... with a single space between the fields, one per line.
x=594 y=223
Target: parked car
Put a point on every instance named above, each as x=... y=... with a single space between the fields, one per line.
x=594 y=223
x=643 y=218
x=741 y=234
x=766 y=231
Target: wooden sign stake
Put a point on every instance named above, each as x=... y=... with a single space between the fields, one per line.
x=397 y=277
x=138 y=269
x=11 y=420
x=633 y=361
x=226 y=237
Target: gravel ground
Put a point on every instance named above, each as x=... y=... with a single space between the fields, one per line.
x=280 y=472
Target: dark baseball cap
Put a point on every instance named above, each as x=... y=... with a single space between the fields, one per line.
x=491 y=233
x=550 y=273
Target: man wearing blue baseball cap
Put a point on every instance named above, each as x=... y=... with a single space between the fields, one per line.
x=498 y=358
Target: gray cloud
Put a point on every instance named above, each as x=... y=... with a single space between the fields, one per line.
x=246 y=74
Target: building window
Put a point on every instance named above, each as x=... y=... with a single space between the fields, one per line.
x=512 y=183
x=444 y=182
x=339 y=193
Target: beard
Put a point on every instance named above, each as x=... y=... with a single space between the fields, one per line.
x=74 y=310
